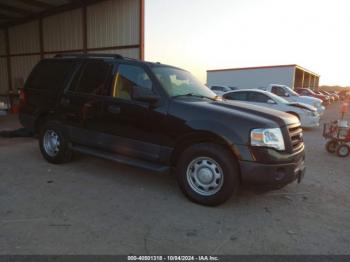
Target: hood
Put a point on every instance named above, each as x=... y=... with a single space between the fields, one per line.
x=228 y=110
x=279 y=117
x=309 y=100
x=303 y=106
x=233 y=121
x=323 y=97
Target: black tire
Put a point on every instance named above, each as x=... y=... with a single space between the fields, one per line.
x=343 y=150
x=226 y=163
x=63 y=154
x=331 y=146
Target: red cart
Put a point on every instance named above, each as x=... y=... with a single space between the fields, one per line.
x=337 y=134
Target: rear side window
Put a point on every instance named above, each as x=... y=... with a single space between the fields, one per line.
x=240 y=96
x=92 y=78
x=278 y=91
x=49 y=74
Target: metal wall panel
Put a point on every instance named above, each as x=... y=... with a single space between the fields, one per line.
x=21 y=66
x=113 y=23
x=110 y=23
x=20 y=5
x=24 y=38
x=53 y=55
x=2 y=43
x=3 y=76
x=132 y=52
x=63 y=31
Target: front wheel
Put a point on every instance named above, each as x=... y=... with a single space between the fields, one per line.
x=208 y=174
x=343 y=150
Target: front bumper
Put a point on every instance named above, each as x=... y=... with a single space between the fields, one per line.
x=310 y=121
x=272 y=175
x=271 y=168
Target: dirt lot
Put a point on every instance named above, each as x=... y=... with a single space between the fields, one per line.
x=93 y=206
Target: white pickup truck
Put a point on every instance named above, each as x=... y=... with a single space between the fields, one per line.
x=290 y=95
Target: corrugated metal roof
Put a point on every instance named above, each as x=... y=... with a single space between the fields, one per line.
x=20 y=5
x=251 y=68
x=14 y=11
x=56 y=2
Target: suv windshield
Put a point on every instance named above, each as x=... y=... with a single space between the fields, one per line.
x=177 y=82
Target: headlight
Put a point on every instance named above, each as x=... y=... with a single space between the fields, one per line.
x=269 y=137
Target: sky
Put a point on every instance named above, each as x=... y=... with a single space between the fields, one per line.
x=199 y=35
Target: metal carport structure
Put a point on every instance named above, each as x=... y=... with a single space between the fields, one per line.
x=34 y=29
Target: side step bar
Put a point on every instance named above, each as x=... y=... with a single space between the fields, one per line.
x=121 y=159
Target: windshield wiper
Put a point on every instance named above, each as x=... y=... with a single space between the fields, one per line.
x=194 y=95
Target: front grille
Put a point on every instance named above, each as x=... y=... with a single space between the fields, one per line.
x=296 y=136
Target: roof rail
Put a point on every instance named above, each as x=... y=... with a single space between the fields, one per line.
x=114 y=56
x=130 y=58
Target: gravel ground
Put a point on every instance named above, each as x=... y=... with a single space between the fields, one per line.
x=93 y=206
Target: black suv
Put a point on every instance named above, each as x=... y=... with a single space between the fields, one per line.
x=159 y=117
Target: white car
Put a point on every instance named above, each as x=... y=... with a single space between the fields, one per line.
x=220 y=90
x=307 y=114
x=290 y=95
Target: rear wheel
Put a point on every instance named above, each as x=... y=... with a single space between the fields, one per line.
x=53 y=144
x=207 y=174
x=343 y=150
x=331 y=146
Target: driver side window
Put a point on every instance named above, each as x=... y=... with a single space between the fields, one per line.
x=131 y=80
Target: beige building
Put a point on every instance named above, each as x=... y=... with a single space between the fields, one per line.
x=293 y=76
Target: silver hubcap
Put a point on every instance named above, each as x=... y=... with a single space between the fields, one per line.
x=205 y=176
x=51 y=143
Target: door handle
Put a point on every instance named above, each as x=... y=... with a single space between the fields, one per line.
x=87 y=105
x=114 y=109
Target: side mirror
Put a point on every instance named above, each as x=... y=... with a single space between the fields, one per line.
x=286 y=95
x=271 y=102
x=144 y=95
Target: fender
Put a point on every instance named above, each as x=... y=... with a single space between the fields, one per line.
x=229 y=135
x=218 y=132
